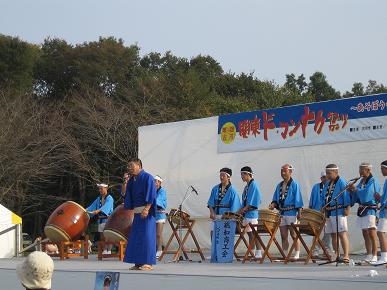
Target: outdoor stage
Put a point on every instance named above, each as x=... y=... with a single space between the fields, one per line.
x=77 y=274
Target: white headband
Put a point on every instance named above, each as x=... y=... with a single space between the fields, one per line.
x=228 y=175
x=333 y=168
x=248 y=172
x=102 y=185
x=157 y=177
x=366 y=165
x=382 y=165
x=290 y=167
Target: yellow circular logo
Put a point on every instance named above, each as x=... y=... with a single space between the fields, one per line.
x=227 y=133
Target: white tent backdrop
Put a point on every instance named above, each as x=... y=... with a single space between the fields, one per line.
x=185 y=153
x=8 y=240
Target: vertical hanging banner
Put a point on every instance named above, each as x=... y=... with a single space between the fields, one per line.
x=342 y=120
x=222 y=247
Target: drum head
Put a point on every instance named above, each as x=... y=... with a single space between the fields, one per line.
x=56 y=234
x=113 y=236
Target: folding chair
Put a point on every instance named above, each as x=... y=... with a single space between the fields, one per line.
x=179 y=221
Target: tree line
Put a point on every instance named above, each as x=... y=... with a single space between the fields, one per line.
x=69 y=113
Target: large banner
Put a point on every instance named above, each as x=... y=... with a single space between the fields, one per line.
x=343 y=120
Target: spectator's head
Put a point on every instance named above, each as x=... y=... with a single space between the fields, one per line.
x=35 y=271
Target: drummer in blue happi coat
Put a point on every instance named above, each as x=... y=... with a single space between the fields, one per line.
x=161 y=216
x=224 y=197
x=332 y=188
x=315 y=202
x=141 y=198
x=100 y=209
x=382 y=224
x=251 y=199
x=287 y=199
x=367 y=194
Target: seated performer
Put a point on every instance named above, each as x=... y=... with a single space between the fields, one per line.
x=382 y=224
x=366 y=194
x=315 y=203
x=223 y=197
x=101 y=208
x=251 y=199
x=287 y=199
x=331 y=190
x=161 y=217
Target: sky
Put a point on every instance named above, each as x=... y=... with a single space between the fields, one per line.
x=345 y=39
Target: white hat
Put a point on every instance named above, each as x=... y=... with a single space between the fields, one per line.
x=102 y=185
x=322 y=174
x=158 y=177
x=35 y=271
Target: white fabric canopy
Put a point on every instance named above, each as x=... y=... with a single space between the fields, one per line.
x=185 y=153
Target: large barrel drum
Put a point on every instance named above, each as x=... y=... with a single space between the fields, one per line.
x=66 y=223
x=119 y=224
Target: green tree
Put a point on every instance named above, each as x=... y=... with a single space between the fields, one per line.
x=17 y=59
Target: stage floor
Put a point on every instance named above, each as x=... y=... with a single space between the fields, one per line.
x=79 y=274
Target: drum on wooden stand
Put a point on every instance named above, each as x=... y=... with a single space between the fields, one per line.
x=178 y=216
x=233 y=216
x=119 y=224
x=67 y=223
x=269 y=218
x=312 y=218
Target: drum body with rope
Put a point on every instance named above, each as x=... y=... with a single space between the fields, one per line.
x=119 y=224
x=178 y=216
x=313 y=218
x=67 y=223
x=269 y=218
x=233 y=216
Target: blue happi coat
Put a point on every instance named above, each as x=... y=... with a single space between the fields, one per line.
x=288 y=204
x=365 y=194
x=251 y=196
x=161 y=202
x=141 y=247
x=106 y=208
x=315 y=196
x=383 y=202
x=343 y=201
x=224 y=203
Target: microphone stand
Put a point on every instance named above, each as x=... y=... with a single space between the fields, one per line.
x=338 y=259
x=185 y=198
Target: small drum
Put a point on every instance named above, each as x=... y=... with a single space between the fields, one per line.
x=312 y=217
x=178 y=216
x=268 y=217
x=233 y=216
x=119 y=224
x=67 y=223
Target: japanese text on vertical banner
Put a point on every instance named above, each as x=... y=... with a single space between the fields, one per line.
x=342 y=120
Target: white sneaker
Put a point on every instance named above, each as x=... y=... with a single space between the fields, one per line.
x=158 y=254
x=368 y=258
x=296 y=255
x=383 y=258
x=258 y=254
x=106 y=252
x=374 y=259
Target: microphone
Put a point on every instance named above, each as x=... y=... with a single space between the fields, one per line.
x=194 y=190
